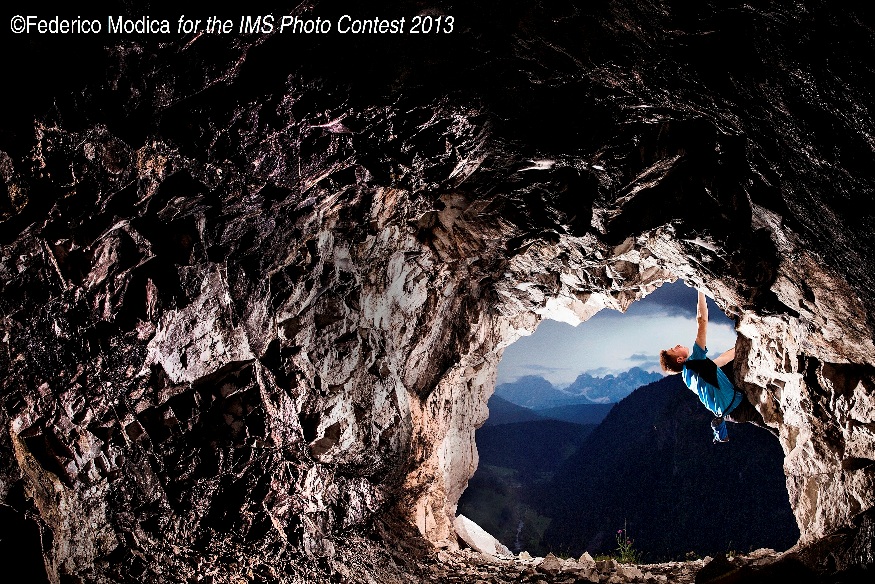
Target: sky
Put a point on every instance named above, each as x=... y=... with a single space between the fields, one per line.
x=612 y=342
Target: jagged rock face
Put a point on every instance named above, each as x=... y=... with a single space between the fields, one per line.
x=252 y=302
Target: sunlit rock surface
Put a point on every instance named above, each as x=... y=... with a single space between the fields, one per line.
x=255 y=288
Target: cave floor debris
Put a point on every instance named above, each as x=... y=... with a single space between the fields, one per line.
x=469 y=566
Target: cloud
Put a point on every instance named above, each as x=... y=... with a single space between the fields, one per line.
x=511 y=370
x=539 y=367
x=612 y=342
x=676 y=299
x=652 y=366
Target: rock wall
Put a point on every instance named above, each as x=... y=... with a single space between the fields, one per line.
x=252 y=304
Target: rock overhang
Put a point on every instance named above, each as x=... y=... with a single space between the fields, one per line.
x=263 y=280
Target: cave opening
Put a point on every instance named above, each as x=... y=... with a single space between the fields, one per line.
x=589 y=445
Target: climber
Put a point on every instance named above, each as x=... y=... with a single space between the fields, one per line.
x=705 y=377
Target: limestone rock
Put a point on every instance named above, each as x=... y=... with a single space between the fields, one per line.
x=550 y=565
x=629 y=572
x=476 y=537
x=607 y=566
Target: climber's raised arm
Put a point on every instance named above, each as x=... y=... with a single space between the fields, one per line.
x=702 y=321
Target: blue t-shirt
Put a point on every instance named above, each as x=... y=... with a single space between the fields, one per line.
x=716 y=398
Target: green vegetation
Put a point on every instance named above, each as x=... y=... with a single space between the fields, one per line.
x=517 y=460
x=495 y=500
x=626 y=554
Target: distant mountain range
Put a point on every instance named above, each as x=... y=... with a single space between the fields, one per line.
x=577 y=413
x=535 y=392
x=502 y=411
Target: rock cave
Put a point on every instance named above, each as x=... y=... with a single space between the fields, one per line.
x=255 y=287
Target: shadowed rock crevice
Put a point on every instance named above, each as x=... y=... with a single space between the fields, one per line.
x=254 y=294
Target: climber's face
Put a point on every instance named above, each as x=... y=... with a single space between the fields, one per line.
x=679 y=353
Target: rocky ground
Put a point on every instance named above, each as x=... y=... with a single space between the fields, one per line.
x=362 y=557
x=469 y=566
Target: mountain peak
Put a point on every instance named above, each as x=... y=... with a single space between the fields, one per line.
x=533 y=391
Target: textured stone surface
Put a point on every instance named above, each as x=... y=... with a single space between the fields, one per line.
x=477 y=538
x=255 y=290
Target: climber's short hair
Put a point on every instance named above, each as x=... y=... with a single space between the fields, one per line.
x=669 y=364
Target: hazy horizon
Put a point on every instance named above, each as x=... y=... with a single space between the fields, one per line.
x=612 y=342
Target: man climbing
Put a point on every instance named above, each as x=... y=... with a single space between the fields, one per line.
x=707 y=380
